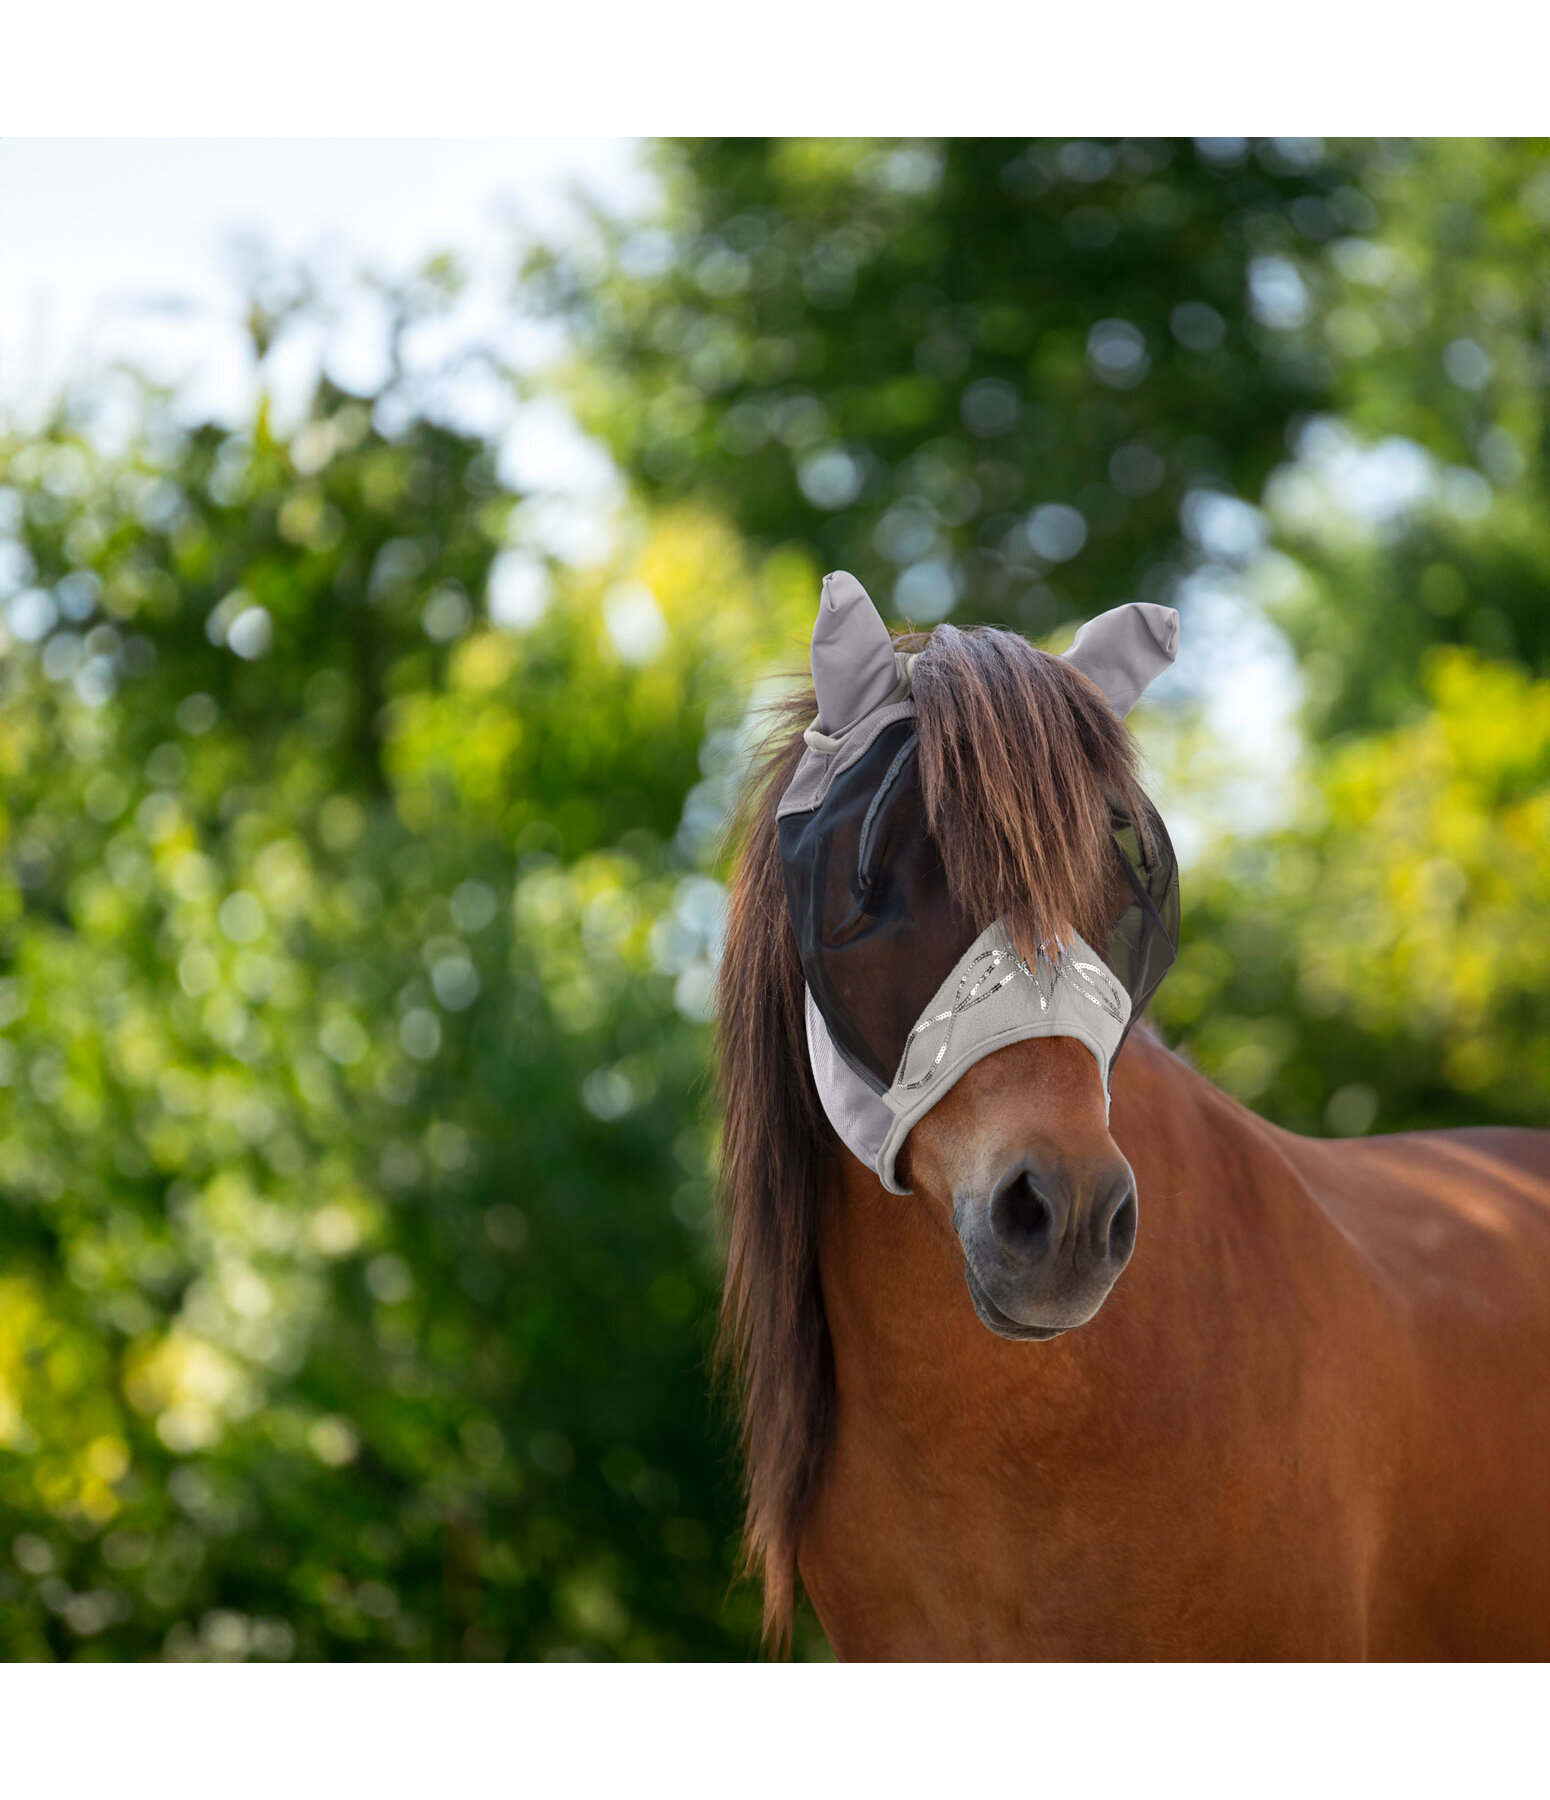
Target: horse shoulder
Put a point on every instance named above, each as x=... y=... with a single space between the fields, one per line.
x=1456 y=1228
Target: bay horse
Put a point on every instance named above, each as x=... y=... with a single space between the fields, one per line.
x=1311 y=1421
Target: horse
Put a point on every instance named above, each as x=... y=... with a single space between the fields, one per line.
x=1312 y=1421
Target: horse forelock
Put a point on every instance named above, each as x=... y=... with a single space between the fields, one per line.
x=1021 y=758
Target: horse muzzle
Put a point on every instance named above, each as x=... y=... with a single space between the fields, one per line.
x=1045 y=1243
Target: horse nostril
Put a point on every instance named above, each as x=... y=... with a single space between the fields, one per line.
x=1122 y=1227
x=1022 y=1219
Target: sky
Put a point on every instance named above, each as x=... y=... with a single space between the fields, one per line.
x=132 y=250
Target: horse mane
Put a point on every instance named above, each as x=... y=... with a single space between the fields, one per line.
x=1021 y=760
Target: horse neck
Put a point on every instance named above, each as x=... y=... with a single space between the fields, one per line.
x=1225 y=1216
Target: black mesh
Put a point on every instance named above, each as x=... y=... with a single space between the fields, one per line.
x=876 y=930
x=877 y=935
x=1145 y=938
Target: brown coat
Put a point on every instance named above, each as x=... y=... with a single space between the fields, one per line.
x=1311 y=1420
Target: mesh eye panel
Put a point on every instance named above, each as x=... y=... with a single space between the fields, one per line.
x=1145 y=938
x=867 y=895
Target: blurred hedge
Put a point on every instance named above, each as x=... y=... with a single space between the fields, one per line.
x=353 y=1253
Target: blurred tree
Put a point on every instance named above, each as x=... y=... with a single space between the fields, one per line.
x=1381 y=963
x=353 y=970
x=1416 y=508
x=1007 y=379
x=981 y=374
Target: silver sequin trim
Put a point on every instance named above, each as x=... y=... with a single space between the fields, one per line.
x=1092 y=976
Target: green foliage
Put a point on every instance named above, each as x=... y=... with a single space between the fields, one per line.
x=353 y=1183
x=899 y=354
x=1435 y=327
x=1383 y=964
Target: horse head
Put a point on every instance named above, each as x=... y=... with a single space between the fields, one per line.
x=974 y=936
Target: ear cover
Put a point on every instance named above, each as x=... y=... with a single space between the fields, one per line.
x=853 y=664
x=1124 y=651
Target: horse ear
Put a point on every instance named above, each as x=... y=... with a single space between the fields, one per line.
x=1124 y=651
x=853 y=666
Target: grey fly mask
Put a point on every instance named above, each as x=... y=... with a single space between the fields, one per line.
x=863 y=881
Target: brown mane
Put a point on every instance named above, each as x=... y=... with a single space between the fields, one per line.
x=1021 y=757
